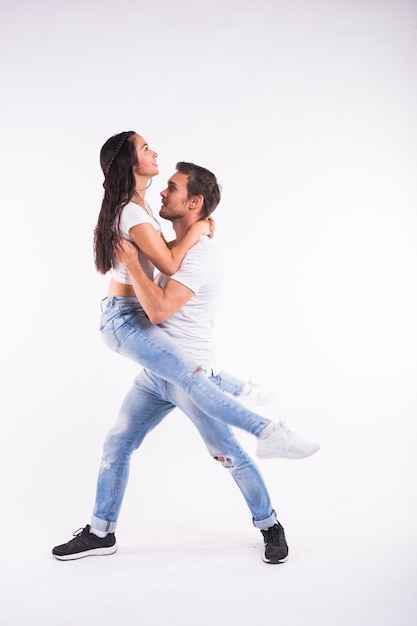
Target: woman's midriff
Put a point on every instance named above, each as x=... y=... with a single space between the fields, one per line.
x=119 y=289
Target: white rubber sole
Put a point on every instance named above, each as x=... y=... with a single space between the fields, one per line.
x=81 y=555
x=275 y=562
x=270 y=453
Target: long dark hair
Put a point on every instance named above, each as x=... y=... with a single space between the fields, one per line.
x=117 y=159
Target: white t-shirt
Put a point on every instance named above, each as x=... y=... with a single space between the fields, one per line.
x=192 y=325
x=133 y=214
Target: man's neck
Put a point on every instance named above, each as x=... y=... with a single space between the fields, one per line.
x=180 y=227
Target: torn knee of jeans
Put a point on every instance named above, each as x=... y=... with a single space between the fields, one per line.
x=105 y=464
x=225 y=461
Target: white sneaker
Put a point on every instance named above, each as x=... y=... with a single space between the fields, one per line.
x=254 y=394
x=279 y=441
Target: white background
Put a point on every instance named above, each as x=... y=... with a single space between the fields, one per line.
x=306 y=112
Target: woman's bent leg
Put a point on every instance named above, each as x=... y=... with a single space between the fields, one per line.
x=126 y=330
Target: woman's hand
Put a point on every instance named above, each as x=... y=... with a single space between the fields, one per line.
x=204 y=227
x=212 y=227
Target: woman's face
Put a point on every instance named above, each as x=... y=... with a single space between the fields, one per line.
x=146 y=158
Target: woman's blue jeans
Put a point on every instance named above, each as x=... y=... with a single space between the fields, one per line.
x=149 y=400
x=127 y=330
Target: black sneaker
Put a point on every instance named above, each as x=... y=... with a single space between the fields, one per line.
x=276 y=549
x=85 y=544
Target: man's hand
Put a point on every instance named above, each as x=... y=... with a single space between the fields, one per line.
x=125 y=251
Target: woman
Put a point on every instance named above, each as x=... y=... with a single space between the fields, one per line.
x=152 y=243
x=129 y=165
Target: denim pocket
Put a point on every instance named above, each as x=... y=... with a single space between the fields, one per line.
x=109 y=336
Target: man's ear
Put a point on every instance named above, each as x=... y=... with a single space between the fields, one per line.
x=196 y=202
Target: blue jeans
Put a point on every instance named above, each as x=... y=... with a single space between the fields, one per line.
x=228 y=383
x=127 y=330
x=149 y=400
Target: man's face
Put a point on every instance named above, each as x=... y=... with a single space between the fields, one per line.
x=175 y=197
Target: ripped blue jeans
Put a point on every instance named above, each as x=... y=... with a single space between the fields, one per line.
x=147 y=403
x=126 y=329
x=228 y=383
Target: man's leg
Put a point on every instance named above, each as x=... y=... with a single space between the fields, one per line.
x=224 y=447
x=228 y=383
x=251 y=393
x=142 y=409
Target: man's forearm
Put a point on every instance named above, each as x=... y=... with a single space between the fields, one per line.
x=147 y=292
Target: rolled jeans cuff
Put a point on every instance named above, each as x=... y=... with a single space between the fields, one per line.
x=263 y=524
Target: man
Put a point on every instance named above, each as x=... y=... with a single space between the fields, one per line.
x=184 y=306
